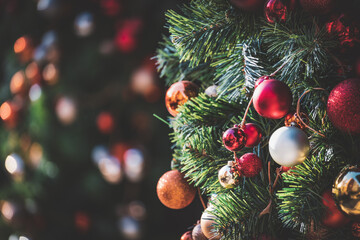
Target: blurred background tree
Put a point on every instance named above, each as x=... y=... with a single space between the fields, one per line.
x=80 y=150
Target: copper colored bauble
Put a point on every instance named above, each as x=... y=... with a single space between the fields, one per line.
x=332 y=218
x=291 y=119
x=197 y=233
x=345 y=30
x=318 y=7
x=355 y=229
x=105 y=122
x=208 y=225
x=272 y=99
x=227 y=177
x=343 y=106
x=276 y=10
x=234 y=139
x=346 y=190
x=178 y=94
x=248 y=5
x=174 y=191
x=253 y=134
x=249 y=164
x=187 y=236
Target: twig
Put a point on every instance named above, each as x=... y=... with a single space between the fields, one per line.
x=298 y=111
x=201 y=199
x=246 y=112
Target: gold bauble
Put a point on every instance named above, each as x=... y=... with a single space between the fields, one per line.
x=207 y=223
x=346 y=191
x=174 y=191
x=178 y=94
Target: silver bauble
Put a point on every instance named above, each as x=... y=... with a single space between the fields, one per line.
x=227 y=177
x=289 y=146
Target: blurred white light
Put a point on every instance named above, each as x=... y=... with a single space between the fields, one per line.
x=129 y=227
x=14 y=164
x=23 y=238
x=99 y=152
x=134 y=164
x=49 y=39
x=66 y=110
x=84 y=24
x=8 y=210
x=13 y=237
x=110 y=169
x=35 y=92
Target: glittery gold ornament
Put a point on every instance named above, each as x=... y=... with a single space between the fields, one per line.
x=174 y=191
x=178 y=94
x=291 y=119
x=346 y=191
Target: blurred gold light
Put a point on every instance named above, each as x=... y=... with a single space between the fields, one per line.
x=66 y=110
x=50 y=74
x=110 y=169
x=35 y=154
x=17 y=82
x=32 y=72
x=20 y=44
x=8 y=210
x=5 y=111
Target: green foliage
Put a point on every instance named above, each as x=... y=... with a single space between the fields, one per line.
x=234 y=49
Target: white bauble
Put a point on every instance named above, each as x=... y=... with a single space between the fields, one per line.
x=289 y=146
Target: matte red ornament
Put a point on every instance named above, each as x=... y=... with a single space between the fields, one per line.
x=333 y=217
x=272 y=99
x=178 y=94
x=105 y=122
x=249 y=164
x=318 y=7
x=253 y=134
x=276 y=10
x=343 y=106
x=344 y=29
x=234 y=139
x=187 y=236
x=248 y=5
x=174 y=191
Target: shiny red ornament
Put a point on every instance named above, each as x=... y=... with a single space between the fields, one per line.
x=343 y=106
x=345 y=30
x=187 y=236
x=276 y=10
x=234 y=139
x=333 y=217
x=272 y=99
x=178 y=94
x=318 y=7
x=105 y=122
x=249 y=165
x=261 y=80
x=248 y=5
x=253 y=134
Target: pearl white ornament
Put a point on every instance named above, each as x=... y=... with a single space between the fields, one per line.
x=289 y=146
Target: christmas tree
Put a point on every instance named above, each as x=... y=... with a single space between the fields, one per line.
x=265 y=105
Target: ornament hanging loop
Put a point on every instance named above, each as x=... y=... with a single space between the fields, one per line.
x=297 y=114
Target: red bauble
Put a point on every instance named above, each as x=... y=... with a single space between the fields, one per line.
x=234 y=139
x=178 y=94
x=318 y=7
x=261 y=80
x=272 y=99
x=276 y=10
x=248 y=5
x=333 y=217
x=343 y=106
x=174 y=191
x=253 y=134
x=344 y=29
x=105 y=122
x=187 y=236
x=249 y=164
